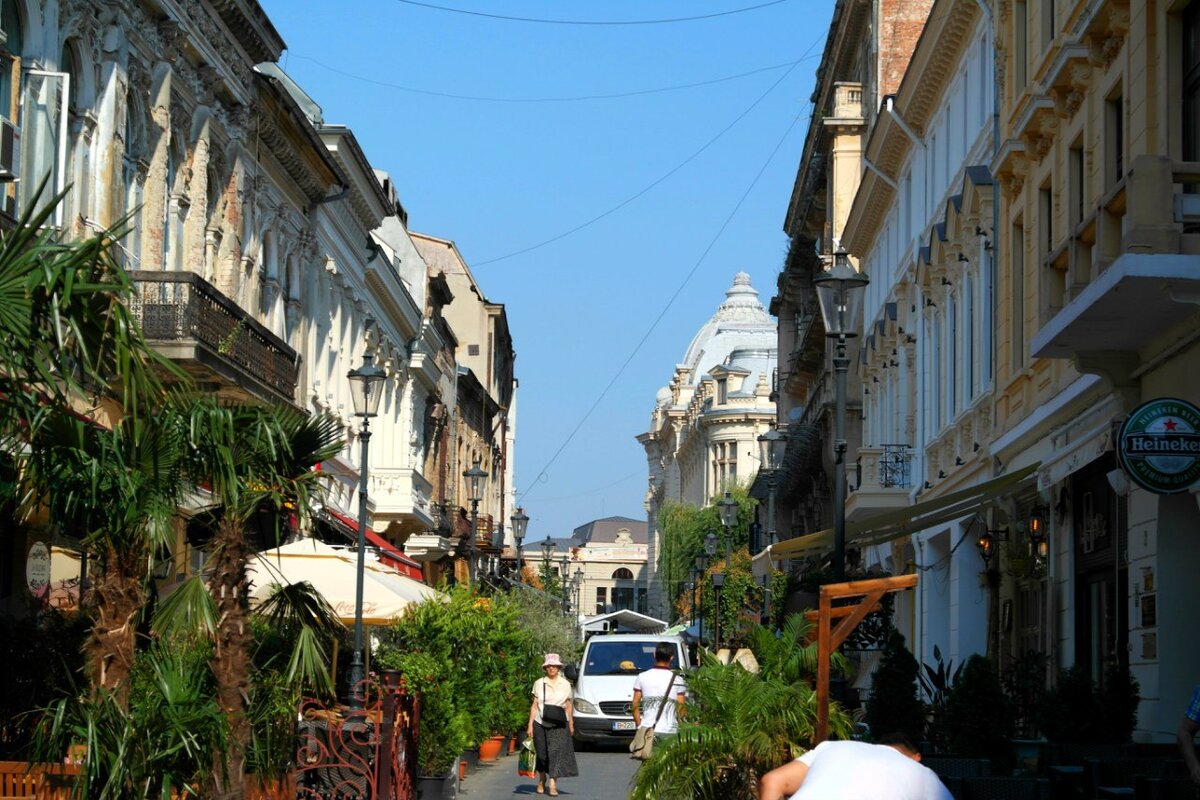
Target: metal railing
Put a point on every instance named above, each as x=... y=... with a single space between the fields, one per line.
x=183 y=307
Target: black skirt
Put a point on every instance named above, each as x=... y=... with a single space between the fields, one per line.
x=555 y=751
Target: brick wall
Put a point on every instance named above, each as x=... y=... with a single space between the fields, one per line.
x=900 y=25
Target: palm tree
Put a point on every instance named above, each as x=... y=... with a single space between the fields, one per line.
x=247 y=456
x=117 y=491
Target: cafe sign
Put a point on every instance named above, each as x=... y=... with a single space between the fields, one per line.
x=1159 y=445
x=37 y=570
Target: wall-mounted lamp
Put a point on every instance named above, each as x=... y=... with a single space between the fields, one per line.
x=929 y=302
x=963 y=259
x=987 y=543
x=910 y=338
x=941 y=474
x=927 y=485
x=946 y=281
x=975 y=447
x=1038 y=543
x=874 y=379
x=958 y=462
x=979 y=231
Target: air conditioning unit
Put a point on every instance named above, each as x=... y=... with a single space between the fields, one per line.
x=10 y=150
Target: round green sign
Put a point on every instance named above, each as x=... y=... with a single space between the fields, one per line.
x=1160 y=445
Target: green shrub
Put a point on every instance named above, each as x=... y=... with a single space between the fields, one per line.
x=894 y=704
x=978 y=718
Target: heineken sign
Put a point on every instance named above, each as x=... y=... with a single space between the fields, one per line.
x=1160 y=445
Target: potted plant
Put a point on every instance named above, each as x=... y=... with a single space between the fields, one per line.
x=894 y=704
x=978 y=717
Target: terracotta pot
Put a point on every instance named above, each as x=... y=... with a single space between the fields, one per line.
x=462 y=770
x=489 y=749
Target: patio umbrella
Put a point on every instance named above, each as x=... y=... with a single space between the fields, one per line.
x=332 y=572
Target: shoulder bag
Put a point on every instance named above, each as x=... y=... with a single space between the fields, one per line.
x=643 y=741
x=552 y=716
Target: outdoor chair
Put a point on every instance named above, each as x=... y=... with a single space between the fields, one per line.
x=16 y=781
x=1114 y=777
x=1003 y=788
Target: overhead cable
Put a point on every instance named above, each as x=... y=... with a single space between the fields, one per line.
x=546 y=21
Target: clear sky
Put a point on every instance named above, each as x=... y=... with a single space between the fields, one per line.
x=505 y=134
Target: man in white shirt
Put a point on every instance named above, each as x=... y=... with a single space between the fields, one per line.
x=847 y=770
x=651 y=687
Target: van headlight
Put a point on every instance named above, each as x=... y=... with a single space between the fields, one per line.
x=585 y=706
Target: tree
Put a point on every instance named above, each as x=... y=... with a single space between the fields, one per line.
x=248 y=456
x=894 y=704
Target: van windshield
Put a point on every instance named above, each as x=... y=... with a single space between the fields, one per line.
x=622 y=658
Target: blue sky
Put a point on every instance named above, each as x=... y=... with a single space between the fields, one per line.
x=690 y=185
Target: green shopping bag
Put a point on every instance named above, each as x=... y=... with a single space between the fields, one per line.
x=527 y=761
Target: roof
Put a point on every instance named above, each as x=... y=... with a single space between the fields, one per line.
x=740 y=322
x=636 y=626
x=605 y=530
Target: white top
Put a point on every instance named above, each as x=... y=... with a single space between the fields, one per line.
x=860 y=771
x=653 y=685
x=558 y=692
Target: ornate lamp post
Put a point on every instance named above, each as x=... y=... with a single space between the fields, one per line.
x=710 y=550
x=772 y=443
x=565 y=580
x=729 y=511
x=718 y=581
x=840 y=292
x=547 y=553
x=520 y=521
x=701 y=565
x=476 y=478
x=366 y=387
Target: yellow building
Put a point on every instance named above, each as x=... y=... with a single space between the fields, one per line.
x=1097 y=285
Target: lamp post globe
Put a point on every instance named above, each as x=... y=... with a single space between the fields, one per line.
x=366 y=387
x=840 y=292
x=476 y=480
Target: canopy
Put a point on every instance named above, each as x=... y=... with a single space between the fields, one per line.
x=890 y=525
x=623 y=621
x=332 y=571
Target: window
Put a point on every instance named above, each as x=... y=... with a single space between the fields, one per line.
x=1076 y=178
x=1191 y=82
x=133 y=180
x=1020 y=47
x=472 y=349
x=1048 y=23
x=725 y=463
x=969 y=353
x=622 y=574
x=1114 y=139
x=722 y=391
x=952 y=356
x=1017 y=299
x=1046 y=220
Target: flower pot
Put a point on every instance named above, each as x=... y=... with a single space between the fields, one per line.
x=444 y=787
x=514 y=744
x=489 y=749
x=462 y=769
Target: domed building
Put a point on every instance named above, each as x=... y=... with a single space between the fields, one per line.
x=704 y=429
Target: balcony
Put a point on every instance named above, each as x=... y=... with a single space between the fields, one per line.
x=1127 y=275
x=212 y=338
x=881 y=479
x=402 y=495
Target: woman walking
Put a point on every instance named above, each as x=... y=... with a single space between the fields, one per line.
x=552 y=724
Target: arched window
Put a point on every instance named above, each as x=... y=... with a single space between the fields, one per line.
x=10 y=56
x=133 y=180
x=622 y=574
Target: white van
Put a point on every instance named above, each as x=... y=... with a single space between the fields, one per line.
x=604 y=682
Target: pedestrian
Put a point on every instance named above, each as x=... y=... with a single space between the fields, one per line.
x=651 y=687
x=552 y=724
x=850 y=770
x=1186 y=735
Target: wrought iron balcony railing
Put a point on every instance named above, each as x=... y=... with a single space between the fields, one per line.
x=201 y=327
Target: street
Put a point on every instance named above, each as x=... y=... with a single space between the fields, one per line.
x=604 y=774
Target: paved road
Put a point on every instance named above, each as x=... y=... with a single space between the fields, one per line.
x=603 y=775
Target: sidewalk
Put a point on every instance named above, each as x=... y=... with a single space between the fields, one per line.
x=603 y=775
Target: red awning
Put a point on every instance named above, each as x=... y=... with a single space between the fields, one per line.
x=388 y=553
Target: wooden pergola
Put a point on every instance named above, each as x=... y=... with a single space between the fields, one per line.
x=849 y=617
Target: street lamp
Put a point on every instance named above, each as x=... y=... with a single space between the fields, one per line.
x=701 y=565
x=366 y=387
x=772 y=443
x=547 y=552
x=520 y=521
x=729 y=512
x=718 y=581
x=563 y=563
x=840 y=292
x=476 y=478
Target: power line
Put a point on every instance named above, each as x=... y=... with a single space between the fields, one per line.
x=560 y=99
x=658 y=181
x=546 y=21
x=666 y=307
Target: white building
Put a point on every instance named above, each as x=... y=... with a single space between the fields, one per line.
x=704 y=429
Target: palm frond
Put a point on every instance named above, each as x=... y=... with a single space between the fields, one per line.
x=188 y=610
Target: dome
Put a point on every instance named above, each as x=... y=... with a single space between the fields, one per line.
x=740 y=323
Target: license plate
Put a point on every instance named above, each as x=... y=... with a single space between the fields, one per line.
x=624 y=725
